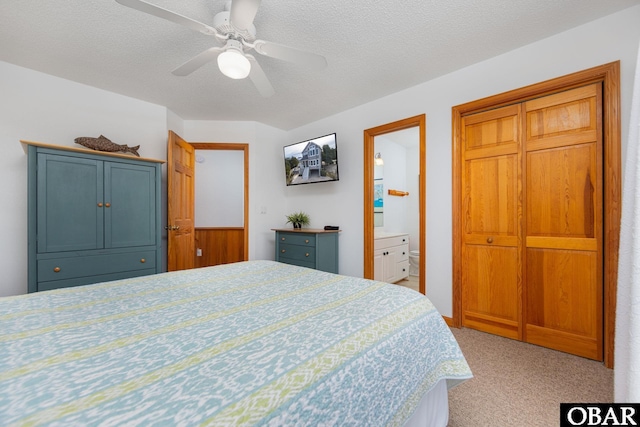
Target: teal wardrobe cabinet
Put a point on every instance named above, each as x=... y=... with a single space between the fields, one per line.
x=317 y=249
x=93 y=216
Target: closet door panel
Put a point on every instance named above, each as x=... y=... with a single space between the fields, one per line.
x=561 y=313
x=563 y=205
x=491 y=279
x=561 y=191
x=491 y=289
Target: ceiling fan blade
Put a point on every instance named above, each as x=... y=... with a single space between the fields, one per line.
x=243 y=12
x=259 y=78
x=154 y=10
x=286 y=53
x=197 y=61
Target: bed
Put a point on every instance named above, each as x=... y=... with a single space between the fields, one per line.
x=249 y=343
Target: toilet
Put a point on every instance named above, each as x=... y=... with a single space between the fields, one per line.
x=414 y=263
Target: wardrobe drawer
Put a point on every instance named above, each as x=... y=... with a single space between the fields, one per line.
x=89 y=280
x=297 y=239
x=297 y=252
x=90 y=265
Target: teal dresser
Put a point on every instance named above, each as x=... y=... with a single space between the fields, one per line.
x=93 y=216
x=317 y=249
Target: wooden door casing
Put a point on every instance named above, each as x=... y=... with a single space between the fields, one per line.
x=180 y=206
x=609 y=76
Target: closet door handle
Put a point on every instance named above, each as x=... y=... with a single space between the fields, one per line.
x=107 y=205
x=100 y=204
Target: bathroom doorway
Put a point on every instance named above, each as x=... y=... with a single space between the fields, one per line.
x=394 y=203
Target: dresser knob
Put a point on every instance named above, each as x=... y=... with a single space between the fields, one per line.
x=489 y=239
x=143 y=260
x=282 y=250
x=56 y=270
x=307 y=254
x=306 y=241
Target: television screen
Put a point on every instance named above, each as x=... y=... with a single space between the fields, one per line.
x=310 y=161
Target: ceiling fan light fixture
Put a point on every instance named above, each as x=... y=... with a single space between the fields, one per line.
x=234 y=64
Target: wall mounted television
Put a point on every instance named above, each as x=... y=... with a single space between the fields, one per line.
x=311 y=161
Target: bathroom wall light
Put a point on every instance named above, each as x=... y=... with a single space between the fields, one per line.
x=378 y=159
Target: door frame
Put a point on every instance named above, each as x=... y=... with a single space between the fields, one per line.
x=418 y=121
x=609 y=75
x=231 y=146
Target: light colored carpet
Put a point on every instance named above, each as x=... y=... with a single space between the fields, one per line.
x=519 y=384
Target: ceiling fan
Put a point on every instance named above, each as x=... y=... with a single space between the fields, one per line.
x=233 y=27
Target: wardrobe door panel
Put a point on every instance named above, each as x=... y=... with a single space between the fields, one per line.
x=130 y=218
x=69 y=196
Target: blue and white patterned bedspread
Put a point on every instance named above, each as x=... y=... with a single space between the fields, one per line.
x=255 y=342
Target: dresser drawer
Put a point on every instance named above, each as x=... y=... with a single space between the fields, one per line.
x=297 y=239
x=81 y=266
x=297 y=252
x=299 y=262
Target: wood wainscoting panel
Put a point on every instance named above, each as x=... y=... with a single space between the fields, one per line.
x=219 y=245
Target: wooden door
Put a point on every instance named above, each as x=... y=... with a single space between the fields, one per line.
x=563 y=209
x=491 y=218
x=180 y=209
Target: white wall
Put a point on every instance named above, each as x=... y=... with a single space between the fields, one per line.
x=39 y=107
x=44 y=108
x=219 y=188
x=394 y=178
x=611 y=38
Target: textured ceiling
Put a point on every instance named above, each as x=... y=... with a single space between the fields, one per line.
x=373 y=48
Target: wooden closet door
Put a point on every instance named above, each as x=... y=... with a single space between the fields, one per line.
x=563 y=210
x=491 y=249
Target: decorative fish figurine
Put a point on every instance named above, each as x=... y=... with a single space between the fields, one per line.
x=102 y=143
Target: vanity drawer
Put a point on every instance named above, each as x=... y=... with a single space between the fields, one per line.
x=92 y=265
x=389 y=242
x=402 y=253
x=402 y=269
x=297 y=252
x=297 y=239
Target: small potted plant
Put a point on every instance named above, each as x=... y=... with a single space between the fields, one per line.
x=298 y=219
